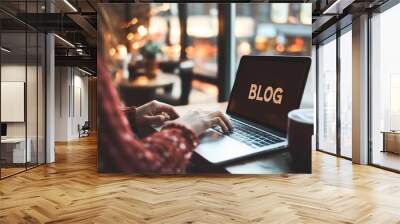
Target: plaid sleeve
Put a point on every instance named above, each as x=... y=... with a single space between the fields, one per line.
x=167 y=151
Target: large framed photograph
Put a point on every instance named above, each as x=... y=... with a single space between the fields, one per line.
x=205 y=88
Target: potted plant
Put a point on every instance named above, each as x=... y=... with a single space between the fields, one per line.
x=149 y=52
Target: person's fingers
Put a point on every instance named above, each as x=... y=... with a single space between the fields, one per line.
x=156 y=120
x=218 y=121
x=166 y=108
x=166 y=115
x=226 y=121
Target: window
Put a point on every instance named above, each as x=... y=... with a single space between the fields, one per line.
x=202 y=29
x=23 y=76
x=385 y=86
x=346 y=94
x=164 y=29
x=327 y=96
x=13 y=75
x=334 y=95
x=285 y=32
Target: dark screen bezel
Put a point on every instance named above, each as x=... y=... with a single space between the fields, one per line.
x=304 y=59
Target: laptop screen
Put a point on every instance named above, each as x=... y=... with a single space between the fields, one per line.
x=267 y=88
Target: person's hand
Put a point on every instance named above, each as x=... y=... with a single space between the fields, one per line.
x=155 y=113
x=200 y=121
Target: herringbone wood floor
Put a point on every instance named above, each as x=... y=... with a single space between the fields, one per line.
x=71 y=191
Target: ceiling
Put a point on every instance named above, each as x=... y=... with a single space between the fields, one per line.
x=76 y=22
x=328 y=13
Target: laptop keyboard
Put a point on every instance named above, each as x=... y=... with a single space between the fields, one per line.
x=251 y=136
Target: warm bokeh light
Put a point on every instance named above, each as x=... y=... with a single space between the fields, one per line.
x=130 y=36
x=135 y=46
x=297 y=46
x=244 y=48
x=262 y=44
x=299 y=41
x=142 y=80
x=142 y=31
x=112 y=52
x=133 y=21
x=202 y=52
x=280 y=48
x=122 y=51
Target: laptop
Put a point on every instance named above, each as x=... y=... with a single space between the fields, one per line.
x=266 y=89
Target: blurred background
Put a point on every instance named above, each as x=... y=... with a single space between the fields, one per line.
x=188 y=53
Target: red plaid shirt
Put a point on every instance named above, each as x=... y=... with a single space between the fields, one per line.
x=167 y=151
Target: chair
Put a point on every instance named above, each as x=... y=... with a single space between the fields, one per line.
x=185 y=72
x=84 y=130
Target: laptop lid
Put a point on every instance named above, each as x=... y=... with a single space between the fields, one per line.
x=267 y=88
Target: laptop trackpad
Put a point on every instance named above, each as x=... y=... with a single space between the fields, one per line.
x=217 y=148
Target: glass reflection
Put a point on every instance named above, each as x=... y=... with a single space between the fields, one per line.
x=385 y=89
x=31 y=98
x=327 y=97
x=346 y=94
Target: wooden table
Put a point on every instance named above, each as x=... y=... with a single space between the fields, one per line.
x=142 y=90
x=269 y=163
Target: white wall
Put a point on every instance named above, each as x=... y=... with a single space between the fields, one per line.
x=80 y=110
x=13 y=73
x=16 y=73
x=71 y=94
x=33 y=127
x=61 y=103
